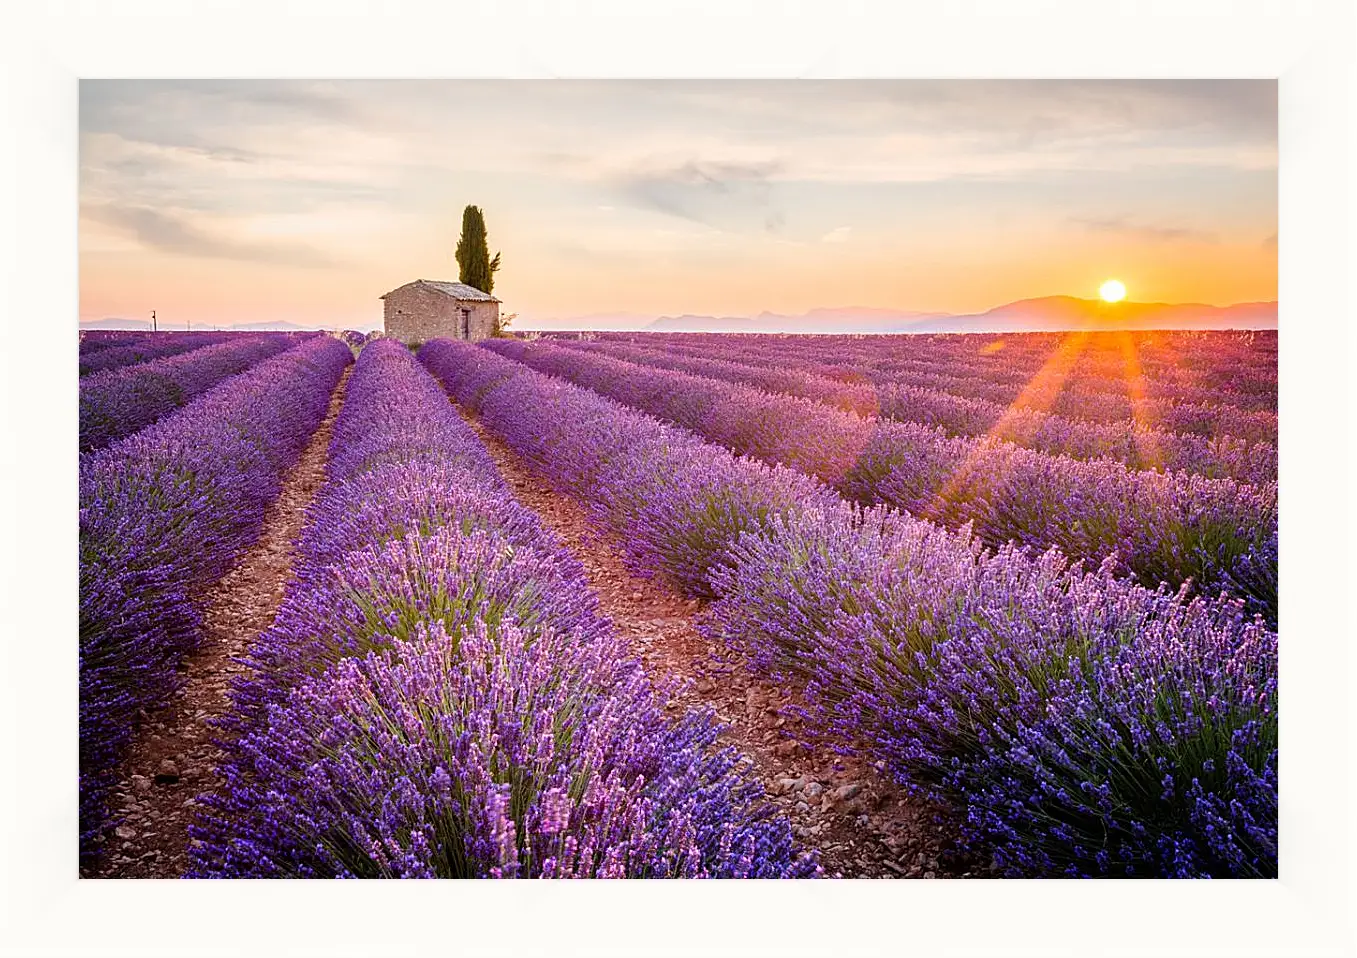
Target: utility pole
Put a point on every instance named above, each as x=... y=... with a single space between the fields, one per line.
x=153 y=320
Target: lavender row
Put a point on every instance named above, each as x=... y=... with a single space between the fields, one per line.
x=1049 y=390
x=148 y=348
x=1062 y=398
x=1213 y=351
x=1107 y=365
x=1070 y=399
x=97 y=340
x=1222 y=456
x=1114 y=375
x=1208 y=356
x=1086 y=725
x=1218 y=534
x=1139 y=447
x=118 y=402
x=440 y=695
x=164 y=514
x=1075 y=396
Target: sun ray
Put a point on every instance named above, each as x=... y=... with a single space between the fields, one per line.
x=1039 y=394
x=1147 y=450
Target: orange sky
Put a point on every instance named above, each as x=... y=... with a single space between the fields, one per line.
x=220 y=202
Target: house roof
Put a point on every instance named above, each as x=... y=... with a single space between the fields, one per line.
x=456 y=290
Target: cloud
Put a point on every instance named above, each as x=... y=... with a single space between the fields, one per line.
x=211 y=114
x=375 y=174
x=718 y=194
x=134 y=173
x=838 y=234
x=1270 y=242
x=1119 y=225
x=172 y=234
x=939 y=129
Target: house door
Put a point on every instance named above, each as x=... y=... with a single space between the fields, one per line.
x=466 y=324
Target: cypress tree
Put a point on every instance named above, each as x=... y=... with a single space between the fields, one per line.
x=475 y=267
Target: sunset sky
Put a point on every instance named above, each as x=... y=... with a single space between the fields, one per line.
x=221 y=202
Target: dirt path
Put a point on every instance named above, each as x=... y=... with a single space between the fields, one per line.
x=174 y=757
x=863 y=826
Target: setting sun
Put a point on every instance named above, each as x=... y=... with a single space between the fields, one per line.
x=1113 y=291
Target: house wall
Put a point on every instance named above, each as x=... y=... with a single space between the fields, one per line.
x=419 y=314
x=483 y=318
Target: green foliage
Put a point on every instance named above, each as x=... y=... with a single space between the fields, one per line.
x=475 y=267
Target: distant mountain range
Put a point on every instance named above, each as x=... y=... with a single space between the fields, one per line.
x=1068 y=312
x=278 y=327
x=1045 y=314
x=113 y=322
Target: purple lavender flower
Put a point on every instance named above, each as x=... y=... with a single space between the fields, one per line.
x=441 y=697
x=1139 y=446
x=163 y=514
x=1163 y=527
x=119 y=401
x=1085 y=724
x=98 y=355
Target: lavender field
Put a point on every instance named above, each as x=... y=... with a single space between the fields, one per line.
x=679 y=605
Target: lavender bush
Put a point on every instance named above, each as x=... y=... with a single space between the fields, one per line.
x=1138 y=446
x=1045 y=700
x=683 y=508
x=490 y=753
x=1006 y=371
x=163 y=514
x=1228 y=379
x=1086 y=725
x=114 y=353
x=1172 y=528
x=417 y=498
x=118 y=402
x=383 y=594
x=441 y=697
x=97 y=340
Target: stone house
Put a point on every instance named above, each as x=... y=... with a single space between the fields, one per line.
x=433 y=309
